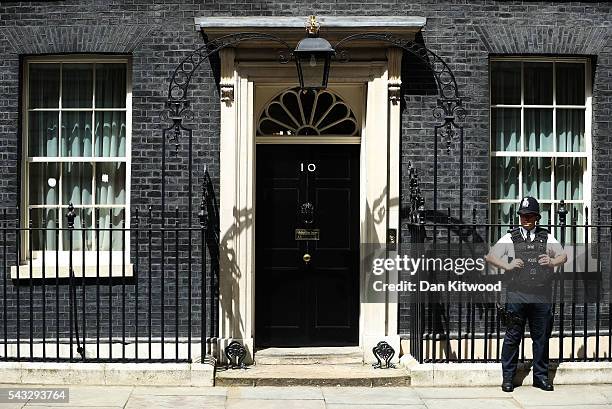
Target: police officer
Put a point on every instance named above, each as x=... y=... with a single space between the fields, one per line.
x=532 y=254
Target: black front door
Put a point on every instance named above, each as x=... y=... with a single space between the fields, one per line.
x=307 y=245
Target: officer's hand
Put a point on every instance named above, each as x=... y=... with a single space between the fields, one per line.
x=516 y=263
x=544 y=260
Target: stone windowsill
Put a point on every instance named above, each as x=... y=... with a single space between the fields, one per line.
x=63 y=271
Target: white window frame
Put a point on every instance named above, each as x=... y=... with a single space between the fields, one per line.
x=587 y=154
x=90 y=257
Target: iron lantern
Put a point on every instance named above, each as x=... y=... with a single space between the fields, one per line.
x=312 y=57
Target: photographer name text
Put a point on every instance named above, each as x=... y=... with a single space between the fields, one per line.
x=426 y=286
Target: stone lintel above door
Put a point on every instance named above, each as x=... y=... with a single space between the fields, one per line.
x=292 y=29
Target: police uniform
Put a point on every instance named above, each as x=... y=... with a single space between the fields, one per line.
x=529 y=292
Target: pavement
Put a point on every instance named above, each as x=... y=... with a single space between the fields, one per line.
x=270 y=397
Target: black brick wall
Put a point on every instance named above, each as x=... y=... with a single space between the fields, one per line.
x=157 y=34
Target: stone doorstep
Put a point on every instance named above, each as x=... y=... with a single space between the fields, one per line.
x=312 y=375
x=489 y=374
x=154 y=374
x=309 y=356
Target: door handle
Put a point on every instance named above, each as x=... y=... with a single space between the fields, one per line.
x=306 y=257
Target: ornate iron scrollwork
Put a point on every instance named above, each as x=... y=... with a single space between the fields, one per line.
x=383 y=352
x=417 y=201
x=235 y=354
x=307 y=213
x=449 y=105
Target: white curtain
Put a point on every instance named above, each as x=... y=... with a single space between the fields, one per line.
x=76 y=133
x=538 y=130
x=536 y=177
x=506 y=124
x=107 y=138
x=569 y=175
x=76 y=189
x=570 y=130
x=110 y=190
x=110 y=134
x=504 y=178
x=43 y=131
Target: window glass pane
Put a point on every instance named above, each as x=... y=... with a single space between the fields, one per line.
x=570 y=84
x=44 y=239
x=110 y=134
x=536 y=177
x=76 y=183
x=538 y=83
x=547 y=216
x=110 y=85
x=504 y=178
x=76 y=133
x=44 y=183
x=538 y=130
x=505 y=82
x=569 y=178
x=44 y=83
x=502 y=215
x=77 y=85
x=43 y=133
x=506 y=124
x=110 y=183
x=82 y=220
x=112 y=219
x=570 y=130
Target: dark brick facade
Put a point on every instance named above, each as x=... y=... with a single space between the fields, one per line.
x=157 y=34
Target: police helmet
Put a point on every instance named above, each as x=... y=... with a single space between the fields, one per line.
x=529 y=205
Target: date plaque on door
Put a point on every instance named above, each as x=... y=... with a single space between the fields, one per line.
x=307 y=234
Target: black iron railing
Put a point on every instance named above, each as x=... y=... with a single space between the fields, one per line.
x=83 y=300
x=468 y=328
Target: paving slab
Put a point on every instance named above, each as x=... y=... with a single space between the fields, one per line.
x=562 y=406
x=373 y=396
x=176 y=402
x=52 y=406
x=91 y=396
x=276 y=393
x=489 y=403
x=179 y=390
x=605 y=390
x=562 y=395
x=274 y=404
x=460 y=393
x=366 y=406
x=11 y=405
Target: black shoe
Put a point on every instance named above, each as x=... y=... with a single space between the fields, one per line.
x=545 y=385
x=507 y=385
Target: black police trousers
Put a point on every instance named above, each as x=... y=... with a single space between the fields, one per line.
x=537 y=310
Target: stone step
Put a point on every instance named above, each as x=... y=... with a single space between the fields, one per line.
x=309 y=356
x=312 y=375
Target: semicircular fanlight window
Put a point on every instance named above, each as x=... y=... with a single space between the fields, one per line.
x=311 y=113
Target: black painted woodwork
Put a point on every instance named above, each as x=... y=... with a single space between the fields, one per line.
x=314 y=303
